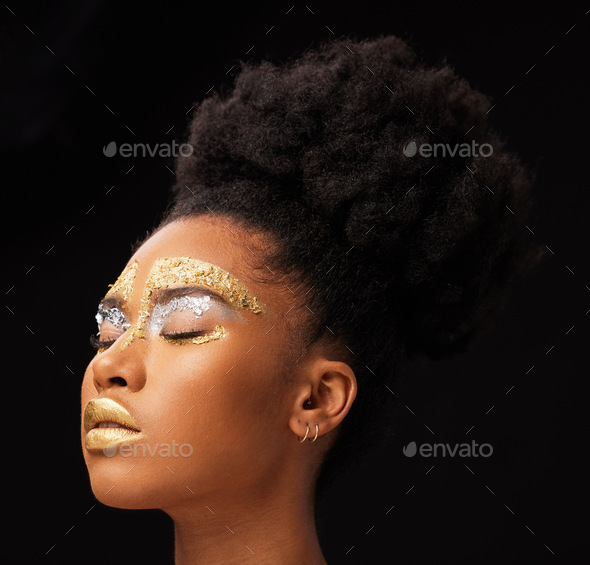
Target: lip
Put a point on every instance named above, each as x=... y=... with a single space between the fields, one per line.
x=108 y=424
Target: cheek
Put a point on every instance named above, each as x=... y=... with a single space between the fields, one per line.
x=217 y=403
x=222 y=390
x=88 y=390
x=87 y=381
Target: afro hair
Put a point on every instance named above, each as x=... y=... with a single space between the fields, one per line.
x=399 y=256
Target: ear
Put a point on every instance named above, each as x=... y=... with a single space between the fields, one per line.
x=327 y=391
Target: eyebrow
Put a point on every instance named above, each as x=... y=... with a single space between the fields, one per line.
x=201 y=278
x=164 y=295
x=112 y=301
x=187 y=271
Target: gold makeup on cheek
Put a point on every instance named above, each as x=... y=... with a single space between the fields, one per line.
x=169 y=271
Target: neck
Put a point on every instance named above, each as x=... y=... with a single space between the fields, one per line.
x=276 y=526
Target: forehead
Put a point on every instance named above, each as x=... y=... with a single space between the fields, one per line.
x=208 y=239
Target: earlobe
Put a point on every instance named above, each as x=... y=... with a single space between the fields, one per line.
x=317 y=431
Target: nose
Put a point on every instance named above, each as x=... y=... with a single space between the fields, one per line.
x=116 y=368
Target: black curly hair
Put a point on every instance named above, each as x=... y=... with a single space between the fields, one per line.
x=398 y=257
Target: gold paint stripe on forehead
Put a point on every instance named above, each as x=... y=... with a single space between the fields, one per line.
x=168 y=271
x=124 y=284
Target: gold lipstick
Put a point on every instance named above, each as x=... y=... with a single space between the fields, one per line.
x=108 y=424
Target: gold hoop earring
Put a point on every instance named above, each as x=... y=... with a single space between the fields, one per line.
x=317 y=429
x=305 y=436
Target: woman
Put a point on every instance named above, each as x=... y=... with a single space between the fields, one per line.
x=333 y=222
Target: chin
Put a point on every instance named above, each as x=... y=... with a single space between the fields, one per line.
x=119 y=483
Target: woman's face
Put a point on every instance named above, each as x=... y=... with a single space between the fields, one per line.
x=199 y=361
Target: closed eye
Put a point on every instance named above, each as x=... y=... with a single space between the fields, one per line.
x=99 y=344
x=183 y=335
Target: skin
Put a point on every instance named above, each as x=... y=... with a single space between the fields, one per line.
x=245 y=494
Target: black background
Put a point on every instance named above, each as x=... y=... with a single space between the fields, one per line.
x=77 y=75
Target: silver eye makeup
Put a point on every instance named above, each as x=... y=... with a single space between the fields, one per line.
x=113 y=316
x=161 y=313
x=173 y=321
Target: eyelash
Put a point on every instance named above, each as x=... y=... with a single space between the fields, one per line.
x=182 y=335
x=99 y=344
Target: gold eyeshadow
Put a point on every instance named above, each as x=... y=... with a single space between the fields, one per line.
x=169 y=271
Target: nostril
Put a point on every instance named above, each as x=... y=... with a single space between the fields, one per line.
x=118 y=381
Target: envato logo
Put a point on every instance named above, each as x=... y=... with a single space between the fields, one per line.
x=146 y=150
x=472 y=449
x=445 y=150
x=146 y=450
